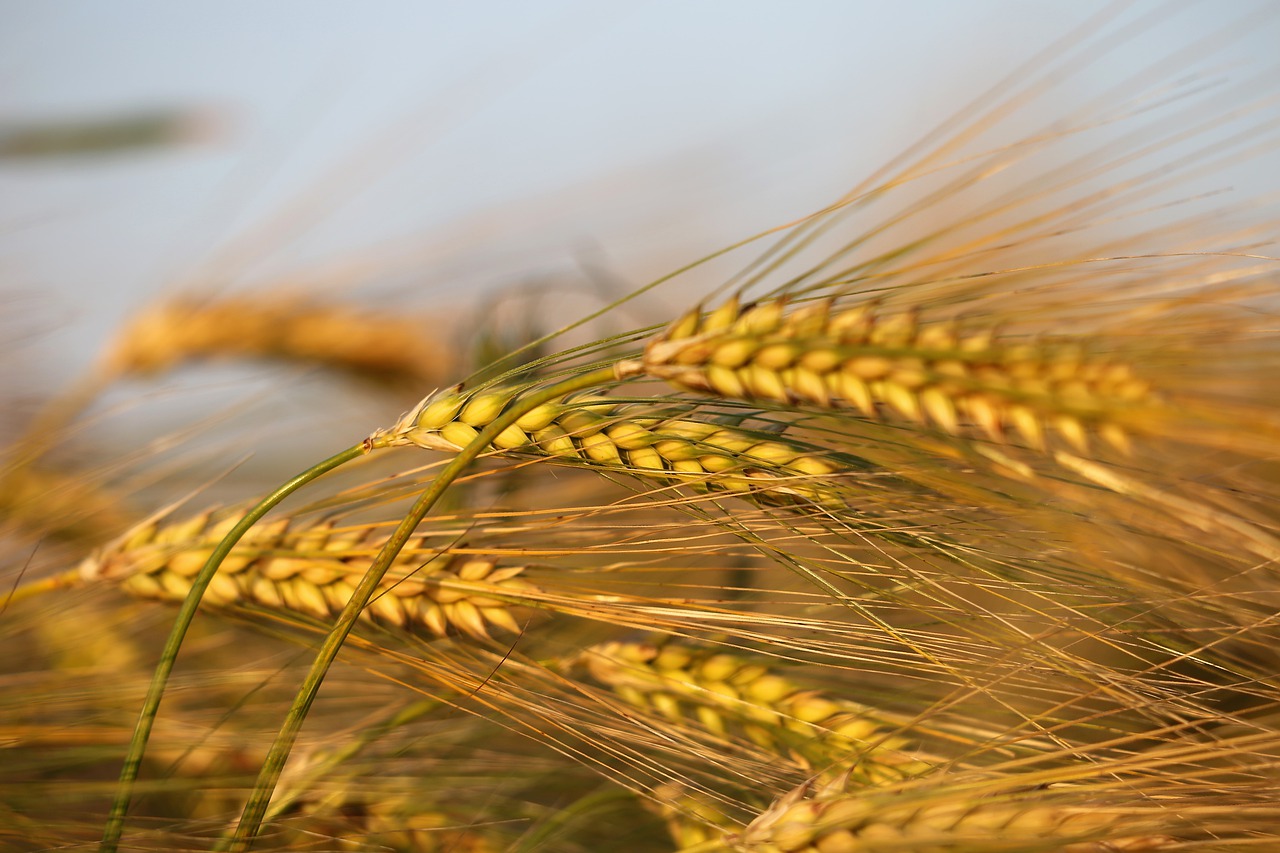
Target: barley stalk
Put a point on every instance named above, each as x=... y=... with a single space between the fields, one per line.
x=894 y=366
x=312 y=569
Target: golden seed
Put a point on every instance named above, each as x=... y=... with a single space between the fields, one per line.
x=722 y=317
x=481 y=409
x=645 y=458
x=433 y=617
x=986 y=415
x=729 y=440
x=711 y=720
x=764 y=383
x=686 y=326
x=897 y=330
x=777 y=356
x=772 y=452
x=733 y=352
x=555 y=442
x=599 y=448
x=440 y=412
x=676 y=449
x=725 y=382
x=143 y=585
x=855 y=392
x=474 y=570
x=629 y=436
x=1027 y=422
x=851 y=325
x=448 y=594
x=501 y=617
x=540 y=417
x=814 y=466
x=511 y=438
x=692 y=353
x=387 y=608
x=812 y=708
x=763 y=318
x=807 y=385
x=174 y=586
x=307 y=598
x=909 y=373
x=689 y=466
x=1073 y=431
x=581 y=422
x=940 y=408
x=467 y=617
x=718 y=668
x=937 y=336
x=869 y=367
x=1114 y=435
x=458 y=434
x=715 y=464
x=900 y=398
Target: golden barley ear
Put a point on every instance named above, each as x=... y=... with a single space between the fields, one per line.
x=311 y=569
x=823 y=818
x=384 y=346
x=651 y=442
x=859 y=360
x=734 y=696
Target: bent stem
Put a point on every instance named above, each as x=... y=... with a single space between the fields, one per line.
x=186 y=613
x=269 y=774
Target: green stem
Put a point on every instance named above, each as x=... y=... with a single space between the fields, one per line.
x=256 y=807
x=159 y=679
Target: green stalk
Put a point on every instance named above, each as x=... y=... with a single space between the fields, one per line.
x=256 y=807
x=186 y=613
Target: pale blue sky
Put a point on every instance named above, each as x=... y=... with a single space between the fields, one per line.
x=495 y=139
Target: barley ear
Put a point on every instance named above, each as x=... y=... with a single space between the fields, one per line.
x=898 y=367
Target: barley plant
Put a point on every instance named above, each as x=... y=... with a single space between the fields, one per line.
x=946 y=520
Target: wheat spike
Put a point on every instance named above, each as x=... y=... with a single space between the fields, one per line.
x=824 y=818
x=375 y=345
x=644 y=440
x=729 y=694
x=312 y=569
x=894 y=366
